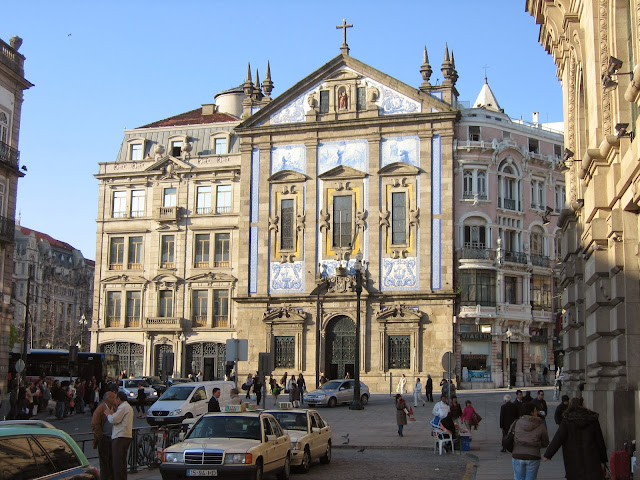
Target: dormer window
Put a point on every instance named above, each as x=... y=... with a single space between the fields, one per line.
x=220 y=146
x=176 y=148
x=135 y=151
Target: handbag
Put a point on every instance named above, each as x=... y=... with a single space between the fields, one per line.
x=475 y=419
x=509 y=439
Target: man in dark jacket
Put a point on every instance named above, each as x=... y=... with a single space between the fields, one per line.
x=541 y=406
x=560 y=409
x=509 y=413
x=583 y=448
x=429 y=389
x=214 y=404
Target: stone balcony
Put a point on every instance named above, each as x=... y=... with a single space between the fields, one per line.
x=163 y=323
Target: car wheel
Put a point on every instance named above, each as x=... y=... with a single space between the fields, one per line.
x=286 y=470
x=188 y=415
x=306 y=461
x=258 y=474
x=332 y=402
x=327 y=455
x=364 y=399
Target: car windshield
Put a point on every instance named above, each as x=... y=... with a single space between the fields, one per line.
x=224 y=426
x=134 y=383
x=177 y=393
x=331 y=385
x=291 y=420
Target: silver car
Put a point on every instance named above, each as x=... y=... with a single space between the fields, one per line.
x=130 y=388
x=335 y=392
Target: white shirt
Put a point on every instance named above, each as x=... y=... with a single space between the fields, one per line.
x=417 y=387
x=122 y=420
x=440 y=409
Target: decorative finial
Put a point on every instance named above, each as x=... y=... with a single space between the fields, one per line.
x=15 y=42
x=454 y=72
x=247 y=86
x=256 y=89
x=425 y=71
x=267 y=85
x=447 y=68
x=344 y=48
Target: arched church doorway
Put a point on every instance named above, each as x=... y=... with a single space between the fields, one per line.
x=341 y=347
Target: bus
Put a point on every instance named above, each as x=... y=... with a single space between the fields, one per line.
x=54 y=364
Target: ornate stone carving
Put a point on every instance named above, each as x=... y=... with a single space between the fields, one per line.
x=373 y=94
x=604 y=63
x=414 y=217
x=300 y=223
x=286 y=314
x=397 y=312
x=361 y=218
x=341 y=282
x=383 y=220
x=274 y=221
x=323 y=220
x=312 y=100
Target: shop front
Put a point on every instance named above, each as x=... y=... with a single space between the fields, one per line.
x=475 y=356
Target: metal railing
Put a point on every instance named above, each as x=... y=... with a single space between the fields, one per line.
x=477 y=253
x=9 y=155
x=509 y=204
x=515 y=257
x=539 y=261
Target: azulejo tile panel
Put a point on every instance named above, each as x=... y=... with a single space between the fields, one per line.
x=436 y=254
x=350 y=153
x=288 y=157
x=255 y=184
x=400 y=274
x=286 y=277
x=436 y=174
x=392 y=102
x=253 y=260
x=294 y=111
x=400 y=149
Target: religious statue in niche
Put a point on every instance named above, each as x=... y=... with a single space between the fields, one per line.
x=343 y=100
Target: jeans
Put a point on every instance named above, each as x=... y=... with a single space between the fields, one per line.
x=400 y=428
x=525 y=469
x=59 y=409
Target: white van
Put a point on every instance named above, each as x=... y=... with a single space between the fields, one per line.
x=186 y=400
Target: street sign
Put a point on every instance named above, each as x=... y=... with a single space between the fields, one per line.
x=237 y=349
x=448 y=362
x=20 y=366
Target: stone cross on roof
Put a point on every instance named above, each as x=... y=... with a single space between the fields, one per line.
x=344 y=48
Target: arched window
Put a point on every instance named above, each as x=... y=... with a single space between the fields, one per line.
x=509 y=196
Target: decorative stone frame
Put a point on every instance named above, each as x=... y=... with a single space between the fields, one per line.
x=123 y=284
x=136 y=141
x=209 y=281
x=212 y=142
x=399 y=319
x=287 y=185
x=286 y=321
x=162 y=282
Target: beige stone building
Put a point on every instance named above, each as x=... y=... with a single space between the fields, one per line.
x=211 y=229
x=12 y=85
x=595 y=46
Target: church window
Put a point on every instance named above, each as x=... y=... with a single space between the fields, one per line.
x=114 y=307
x=223 y=199
x=202 y=250
x=287 y=227
x=166 y=303
x=474 y=133
x=342 y=221
x=133 y=308
x=169 y=198
x=361 y=99
x=220 y=146
x=221 y=255
x=116 y=253
x=534 y=146
x=119 y=204
x=285 y=351
x=478 y=287
x=135 y=151
x=399 y=218
x=399 y=351
x=167 y=259
x=137 y=203
x=220 y=308
x=203 y=200
x=324 y=101
x=135 y=253
x=176 y=147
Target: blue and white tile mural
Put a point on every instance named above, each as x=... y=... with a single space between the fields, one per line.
x=400 y=149
x=288 y=157
x=392 y=102
x=294 y=111
x=400 y=274
x=349 y=153
x=286 y=277
x=328 y=267
x=436 y=252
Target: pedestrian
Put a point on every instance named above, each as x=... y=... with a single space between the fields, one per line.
x=429 y=389
x=557 y=416
x=199 y=376
x=283 y=382
x=302 y=387
x=13 y=402
x=294 y=394
x=455 y=408
x=509 y=413
x=519 y=402
x=448 y=424
x=527 y=397
x=96 y=398
x=247 y=386
x=401 y=413
x=102 y=430
x=401 y=388
x=214 y=403
x=541 y=406
x=530 y=435
x=323 y=378
x=275 y=391
x=46 y=395
x=122 y=421
x=348 y=375
x=60 y=397
x=257 y=387
x=545 y=372
x=235 y=397
x=583 y=449
x=467 y=415
x=290 y=383
x=417 y=389
x=440 y=410
x=28 y=392
x=142 y=396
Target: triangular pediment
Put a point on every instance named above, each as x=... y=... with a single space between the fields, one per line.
x=342 y=172
x=288 y=176
x=398 y=168
x=391 y=96
x=211 y=277
x=124 y=279
x=163 y=162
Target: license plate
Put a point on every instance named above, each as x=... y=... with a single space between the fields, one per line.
x=201 y=473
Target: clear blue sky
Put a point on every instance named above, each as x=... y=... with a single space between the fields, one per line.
x=102 y=66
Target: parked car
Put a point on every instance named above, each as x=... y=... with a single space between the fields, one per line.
x=336 y=392
x=175 y=381
x=130 y=388
x=247 y=444
x=39 y=451
x=156 y=383
x=310 y=436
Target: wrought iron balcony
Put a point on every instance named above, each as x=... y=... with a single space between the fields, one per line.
x=9 y=155
x=7 y=229
x=509 y=204
x=515 y=257
x=476 y=253
x=539 y=261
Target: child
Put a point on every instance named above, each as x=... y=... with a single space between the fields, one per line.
x=467 y=414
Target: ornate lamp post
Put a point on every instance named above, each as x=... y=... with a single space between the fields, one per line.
x=83 y=324
x=359 y=269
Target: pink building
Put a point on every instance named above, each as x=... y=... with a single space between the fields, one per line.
x=509 y=190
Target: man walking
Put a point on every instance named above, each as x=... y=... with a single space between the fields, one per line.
x=214 y=403
x=122 y=421
x=102 y=430
x=509 y=413
x=541 y=406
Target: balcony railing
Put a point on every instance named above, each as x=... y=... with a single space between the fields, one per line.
x=199 y=321
x=135 y=266
x=476 y=253
x=168 y=265
x=201 y=264
x=203 y=210
x=539 y=261
x=223 y=209
x=168 y=213
x=224 y=264
x=163 y=323
x=467 y=195
x=515 y=257
x=133 y=322
x=116 y=266
x=112 y=322
x=509 y=204
x=9 y=155
x=220 y=321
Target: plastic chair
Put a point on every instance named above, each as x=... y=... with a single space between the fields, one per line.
x=441 y=438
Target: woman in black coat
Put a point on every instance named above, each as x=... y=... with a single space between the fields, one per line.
x=583 y=448
x=429 y=389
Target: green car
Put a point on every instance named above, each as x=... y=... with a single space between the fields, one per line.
x=34 y=449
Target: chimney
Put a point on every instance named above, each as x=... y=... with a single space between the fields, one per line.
x=536 y=117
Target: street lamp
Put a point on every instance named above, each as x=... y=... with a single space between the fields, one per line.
x=359 y=268
x=83 y=323
x=509 y=358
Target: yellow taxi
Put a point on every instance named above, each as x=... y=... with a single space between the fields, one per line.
x=228 y=445
x=310 y=436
